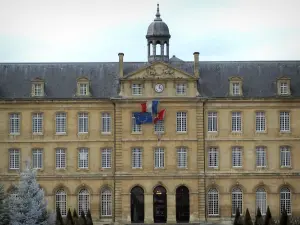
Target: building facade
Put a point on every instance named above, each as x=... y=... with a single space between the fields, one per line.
x=228 y=138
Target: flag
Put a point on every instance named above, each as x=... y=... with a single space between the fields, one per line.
x=142 y=117
x=150 y=106
x=160 y=115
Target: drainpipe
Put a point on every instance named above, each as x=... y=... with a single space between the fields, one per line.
x=114 y=170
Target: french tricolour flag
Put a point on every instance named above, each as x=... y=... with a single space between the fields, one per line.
x=150 y=106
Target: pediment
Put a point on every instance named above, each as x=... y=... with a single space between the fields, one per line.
x=159 y=70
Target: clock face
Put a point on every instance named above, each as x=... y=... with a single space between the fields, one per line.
x=159 y=88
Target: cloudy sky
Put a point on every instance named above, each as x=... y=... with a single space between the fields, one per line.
x=97 y=30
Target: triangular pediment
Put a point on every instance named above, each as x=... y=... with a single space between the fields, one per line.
x=159 y=70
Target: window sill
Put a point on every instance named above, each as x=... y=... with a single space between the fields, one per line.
x=137 y=168
x=61 y=169
x=285 y=132
x=83 y=169
x=182 y=168
x=105 y=133
x=261 y=132
x=213 y=167
x=237 y=167
x=181 y=132
x=135 y=133
x=14 y=134
x=286 y=167
x=61 y=134
x=37 y=134
x=82 y=133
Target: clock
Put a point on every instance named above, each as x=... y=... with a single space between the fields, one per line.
x=159 y=88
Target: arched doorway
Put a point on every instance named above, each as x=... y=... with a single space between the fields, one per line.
x=137 y=205
x=160 y=205
x=182 y=204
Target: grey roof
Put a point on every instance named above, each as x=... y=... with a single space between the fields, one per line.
x=259 y=78
x=158 y=28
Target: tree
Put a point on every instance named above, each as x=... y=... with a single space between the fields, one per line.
x=258 y=218
x=28 y=207
x=59 y=219
x=4 y=213
x=82 y=218
x=247 y=219
x=75 y=217
x=268 y=217
x=284 y=219
x=69 y=220
x=89 y=219
x=237 y=219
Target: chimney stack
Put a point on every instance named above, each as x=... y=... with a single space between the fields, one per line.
x=196 y=64
x=121 y=56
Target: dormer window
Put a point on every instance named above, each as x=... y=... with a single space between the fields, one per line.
x=283 y=86
x=83 y=87
x=236 y=89
x=235 y=86
x=37 y=89
x=137 y=89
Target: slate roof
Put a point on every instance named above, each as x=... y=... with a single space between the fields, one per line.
x=259 y=78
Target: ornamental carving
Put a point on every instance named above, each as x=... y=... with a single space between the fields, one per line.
x=159 y=72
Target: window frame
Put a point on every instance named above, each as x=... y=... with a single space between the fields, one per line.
x=212 y=121
x=37 y=155
x=62 y=152
x=13 y=154
x=213 y=199
x=260 y=122
x=136 y=158
x=236 y=122
x=137 y=89
x=83 y=193
x=286 y=150
x=159 y=158
x=106 y=202
x=213 y=155
x=37 y=123
x=283 y=202
x=106 y=158
x=237 y=149
x=181 y=122
x=60 y=123
x=106 y=123
x=14 y=123
x=284 y=121
x=261 y=192
x=83 y=164
x=235 y=203
x=261 y=156
x=61 y=193
x=83 y=117
x=181 y=89
x=135 y=128
x=182 y=157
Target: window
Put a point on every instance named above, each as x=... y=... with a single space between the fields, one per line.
x=83 y=123
x=159 y=158
x=284 y=90
x=137 y=89
x=237 y=200
x=61 y=201
x=180 y=89
x=212 y=121
x=14 y=159
x=106 y=123
x=136 y=158
x=285 y=200
x=260 y=122
x=106 y=158
x=60 y=123
x=159 y=126
x=83 y=158
x=213 y=161
x=284 y=121
x=236 y=89
x=83 y=201
x=14 y=123
x=285 y=156
x=261 y=157
x=213 y=202
x=60 y=158
x=261 y=200
x=135 y=127
x=236 y=157
x=83 y=89
x=236 y=120
x=37 y=90
x=182 y=157
x=106 y=202
x=37 y=123
x=181 y=122
x=37 y=158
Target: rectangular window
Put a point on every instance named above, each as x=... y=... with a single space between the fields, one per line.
x=261 y=157
x=83 y=89
x=182 y=157
x=136 y=154
x=181 y=122
x=61 y=123
x=159 y=126
x=213 y=159
x=260 y=120
x=136 y=128
x=212 y=121
x=284 y=88
x=137 y=89
x=37 y=123
x=37 y=89
x=37 y=158
x=83 y=123
x=236 y=157
x=106 y=158
x=83 y=158
x=236 y=89
x=284 y=121
x=106 y=123
x=180 y=89
x=236 y=121
x=14 y=159
x=285 y=156
x=159 y=158
x=60 y=158
x=14 y=123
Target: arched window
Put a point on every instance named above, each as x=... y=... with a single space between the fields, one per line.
x=106 y=202
x=61 y=201
x=213 y=202
x=261 y=200
x=237 y=200
x=285 y=200
x=83 y=201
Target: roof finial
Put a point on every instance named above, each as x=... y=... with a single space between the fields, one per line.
x=157 y=14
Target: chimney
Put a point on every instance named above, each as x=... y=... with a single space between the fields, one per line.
x=121 y=55
x=196 y=64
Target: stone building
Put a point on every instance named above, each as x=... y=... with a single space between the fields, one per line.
x=228 y=138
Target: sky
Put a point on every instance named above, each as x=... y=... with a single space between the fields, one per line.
x=97 y=30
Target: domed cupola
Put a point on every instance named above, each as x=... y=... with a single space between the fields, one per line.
x=158 y=37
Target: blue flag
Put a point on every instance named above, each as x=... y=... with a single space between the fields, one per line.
x=142 y=117
x=155 y=106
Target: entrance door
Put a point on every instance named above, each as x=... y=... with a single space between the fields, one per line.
x=160 y=205
x=137 y=205
x=182 y=204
